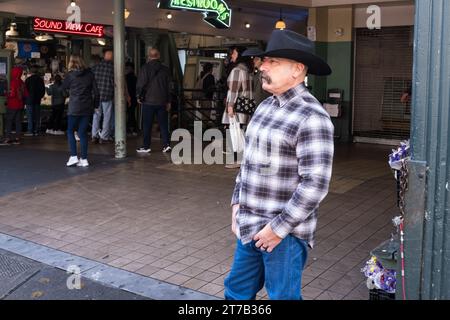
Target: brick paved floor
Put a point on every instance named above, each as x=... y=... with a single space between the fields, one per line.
x=172 y=223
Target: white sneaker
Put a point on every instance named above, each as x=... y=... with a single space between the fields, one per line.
x=49 y=131
x=59 y=133
x=76 y=136
x=143 y=150
x=72 y=161
x=233 y=166
x=167 y=149
x=83 y=163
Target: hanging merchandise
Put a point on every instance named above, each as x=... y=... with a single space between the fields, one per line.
x=379 y=277
x=380 y=270
x=398 y=160
x=402 y=154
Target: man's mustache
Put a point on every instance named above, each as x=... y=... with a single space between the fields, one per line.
x=266 y=78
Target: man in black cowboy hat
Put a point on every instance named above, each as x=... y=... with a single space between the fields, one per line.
x=284 y=175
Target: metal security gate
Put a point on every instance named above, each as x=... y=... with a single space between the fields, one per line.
x=383 y=72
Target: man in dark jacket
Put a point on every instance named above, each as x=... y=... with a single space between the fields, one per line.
x=209 y=82
x=208 y=87
x=153 y=90
x=36 y=91
x=131 y=80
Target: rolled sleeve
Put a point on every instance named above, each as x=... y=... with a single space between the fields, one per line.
x=314 y=151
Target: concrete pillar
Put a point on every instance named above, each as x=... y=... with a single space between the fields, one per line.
x=119 y=79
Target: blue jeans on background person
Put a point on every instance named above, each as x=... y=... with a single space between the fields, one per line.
x=34 y=118
x=280 y=271
x=79 y=124
x=148 y=114
x=105 y=109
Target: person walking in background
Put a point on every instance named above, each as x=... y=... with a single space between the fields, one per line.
x=104 y=77
x=240 y=85
x=259 y=94
x=153 y=89
x=209 y=82
x=209 y=87
x=204 y=90
x=14 y=104
x=131 y=81
x=58 y=95
x=95 y=60
x=406 y=96
x=84 y=95
x=284 y=176
x=406 y=99
x=35 y=92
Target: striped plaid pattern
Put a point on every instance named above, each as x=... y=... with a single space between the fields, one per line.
x=286 y=168
x=240 y=84
x=104 y=77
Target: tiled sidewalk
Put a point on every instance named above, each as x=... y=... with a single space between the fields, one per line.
x=172 y=223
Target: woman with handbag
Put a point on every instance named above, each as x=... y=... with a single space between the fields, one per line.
x=240 y=94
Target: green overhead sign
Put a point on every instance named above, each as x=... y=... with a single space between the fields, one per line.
x=217 y=13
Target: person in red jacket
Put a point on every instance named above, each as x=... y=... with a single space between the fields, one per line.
x=15 y=104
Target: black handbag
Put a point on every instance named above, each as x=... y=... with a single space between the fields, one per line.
x=245 y=105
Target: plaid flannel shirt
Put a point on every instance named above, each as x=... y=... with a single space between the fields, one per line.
x=286 y=167
x=104 y=77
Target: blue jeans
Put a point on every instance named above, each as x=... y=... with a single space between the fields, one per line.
x=105 y=109
x=79 y=124
x=281 y=271
x=148 y=114
x=33 y=117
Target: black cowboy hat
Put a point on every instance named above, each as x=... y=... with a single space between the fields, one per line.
x=291 y=45
x=253 y=52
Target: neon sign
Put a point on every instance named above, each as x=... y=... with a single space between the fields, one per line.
x=216 y=12
x=61 y=26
